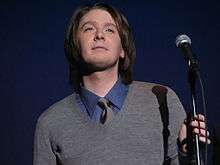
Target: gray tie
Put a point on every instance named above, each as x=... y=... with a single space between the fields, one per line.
x=107 y=113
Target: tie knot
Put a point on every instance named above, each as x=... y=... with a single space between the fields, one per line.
x=106 y=114
x=104 y=103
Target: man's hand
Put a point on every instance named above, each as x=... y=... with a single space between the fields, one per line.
x=198 y=127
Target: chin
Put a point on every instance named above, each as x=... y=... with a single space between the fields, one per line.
x=95 y=66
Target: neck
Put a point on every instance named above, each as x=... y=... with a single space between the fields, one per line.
x=101 y=82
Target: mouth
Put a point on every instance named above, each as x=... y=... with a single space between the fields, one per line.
x=99 y=48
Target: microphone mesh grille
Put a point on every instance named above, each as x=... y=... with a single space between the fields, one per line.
x=182 y=39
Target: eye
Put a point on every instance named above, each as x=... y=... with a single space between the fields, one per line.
x=88 y=29
x=110 y=30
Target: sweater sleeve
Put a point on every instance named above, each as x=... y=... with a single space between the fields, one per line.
x=43 y=153
x=176 y=116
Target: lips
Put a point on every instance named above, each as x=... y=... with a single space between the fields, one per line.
x=99 y=47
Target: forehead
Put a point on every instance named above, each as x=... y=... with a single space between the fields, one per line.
x=97 y=15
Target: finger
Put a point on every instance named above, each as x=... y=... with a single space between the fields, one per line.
x=201 y=132
x=198 y=124
x=200 y=117
x=203 y=139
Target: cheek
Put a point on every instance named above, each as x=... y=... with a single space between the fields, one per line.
x=84 y=45
x=116 y=45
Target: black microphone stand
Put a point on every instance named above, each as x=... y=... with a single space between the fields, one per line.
x=193 y=142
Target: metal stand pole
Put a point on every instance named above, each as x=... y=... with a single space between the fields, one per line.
x=192 y=76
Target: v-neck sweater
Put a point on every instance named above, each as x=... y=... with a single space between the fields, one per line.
x=143 y=132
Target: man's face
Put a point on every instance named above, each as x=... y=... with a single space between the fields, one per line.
x=99 y=40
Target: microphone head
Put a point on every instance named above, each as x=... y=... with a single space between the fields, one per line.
x=180 y=39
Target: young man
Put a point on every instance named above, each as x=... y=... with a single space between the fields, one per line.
x=109 y=118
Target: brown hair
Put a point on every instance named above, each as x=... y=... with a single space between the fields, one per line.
x=72 y=50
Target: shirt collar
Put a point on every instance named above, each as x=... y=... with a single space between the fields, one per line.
x=116 y=96
x=89 y=100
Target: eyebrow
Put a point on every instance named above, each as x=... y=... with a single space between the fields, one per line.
x=94 y=22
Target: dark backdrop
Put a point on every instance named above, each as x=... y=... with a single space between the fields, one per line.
x=34 y=72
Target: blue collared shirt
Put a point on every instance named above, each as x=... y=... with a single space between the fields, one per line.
x=88 y=100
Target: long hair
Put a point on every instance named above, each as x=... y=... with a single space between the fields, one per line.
x=72 y=49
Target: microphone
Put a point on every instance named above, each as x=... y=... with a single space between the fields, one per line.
x=184 y=43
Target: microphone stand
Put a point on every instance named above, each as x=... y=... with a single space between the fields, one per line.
x=193 y=148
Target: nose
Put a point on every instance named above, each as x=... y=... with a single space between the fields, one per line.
x=99 y=36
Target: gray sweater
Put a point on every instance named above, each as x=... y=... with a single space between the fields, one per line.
x=143 y=132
